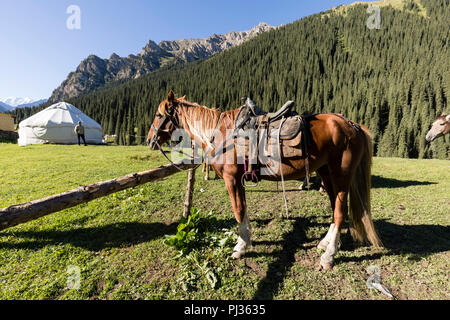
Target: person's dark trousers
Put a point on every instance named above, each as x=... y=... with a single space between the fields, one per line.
x=82 y=137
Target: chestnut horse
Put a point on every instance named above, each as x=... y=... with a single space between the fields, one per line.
x=340 y=152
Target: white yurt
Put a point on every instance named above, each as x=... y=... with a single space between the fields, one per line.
x=56 y=124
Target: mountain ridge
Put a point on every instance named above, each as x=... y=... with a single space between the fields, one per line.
x=12 y=103
x=95 y=72
x=4 y=107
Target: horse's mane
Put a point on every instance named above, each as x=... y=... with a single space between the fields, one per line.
x=183 y=101
x=200 y=120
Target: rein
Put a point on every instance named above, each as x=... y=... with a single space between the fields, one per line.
x=169 y=116
x=168 y=159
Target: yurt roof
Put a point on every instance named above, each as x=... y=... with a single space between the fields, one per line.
x=61 y=114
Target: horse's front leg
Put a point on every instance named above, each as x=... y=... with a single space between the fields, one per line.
x=237 y=195
x=207 y=172
x=324 y=173
x=206 y=168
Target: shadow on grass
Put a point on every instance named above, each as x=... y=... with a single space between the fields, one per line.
x=421 y=240
x=284 y=259
x=119 y=235
x=377 y=182
x=413 y=241
x=95 y=238
x=382 y=182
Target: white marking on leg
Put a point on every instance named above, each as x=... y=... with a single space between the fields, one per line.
x=244 y=240
x=325 y=241
x=327 y=259
x=207 y=173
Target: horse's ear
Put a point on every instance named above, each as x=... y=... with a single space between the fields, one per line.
x=183 y=98
x=171 y=96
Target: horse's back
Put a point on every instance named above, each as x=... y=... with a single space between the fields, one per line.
x=332 y=134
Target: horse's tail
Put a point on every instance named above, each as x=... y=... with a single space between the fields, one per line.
x=361 y=224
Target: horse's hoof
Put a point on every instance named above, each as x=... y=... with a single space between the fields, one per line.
x=326 y=261
x=323 y=245
x=326 y=266
x=238 y=254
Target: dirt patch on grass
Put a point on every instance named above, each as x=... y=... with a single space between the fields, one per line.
x=308 y=258
x=255 y=267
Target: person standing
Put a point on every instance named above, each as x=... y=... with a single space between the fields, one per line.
x=79 y=130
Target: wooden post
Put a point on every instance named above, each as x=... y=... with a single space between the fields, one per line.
x=190 y=187
x=22 y=213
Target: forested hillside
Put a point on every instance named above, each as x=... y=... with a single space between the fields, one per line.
x=395 y=80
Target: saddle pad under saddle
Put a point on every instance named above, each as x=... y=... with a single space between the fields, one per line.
x=289 y=148
x=290 y=138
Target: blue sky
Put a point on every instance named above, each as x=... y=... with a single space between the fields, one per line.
x=37 y=50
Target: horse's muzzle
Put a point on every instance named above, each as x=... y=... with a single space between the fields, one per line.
x=431 y=137
x=151 y=143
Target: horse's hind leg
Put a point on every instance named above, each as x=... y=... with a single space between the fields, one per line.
x=341 y=176
x=237 y=195
x=340 y=212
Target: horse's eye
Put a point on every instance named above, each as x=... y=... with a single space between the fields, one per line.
x=159 y=116
x=443 y=124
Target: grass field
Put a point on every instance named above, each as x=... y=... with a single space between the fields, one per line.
x=116 y=243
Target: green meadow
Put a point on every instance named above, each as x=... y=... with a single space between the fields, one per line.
x=114 y=247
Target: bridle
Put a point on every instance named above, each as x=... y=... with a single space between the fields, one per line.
x=168 y=116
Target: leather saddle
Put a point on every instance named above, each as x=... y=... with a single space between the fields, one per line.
x=285 y=125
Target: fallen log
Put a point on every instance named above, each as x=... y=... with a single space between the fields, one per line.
x=21 y=213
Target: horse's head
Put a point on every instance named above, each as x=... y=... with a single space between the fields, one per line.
x=164 y=123
x=441 y=126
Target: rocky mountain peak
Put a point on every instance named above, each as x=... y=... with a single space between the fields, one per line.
x=114 y=57
x=150 y=47
x=263 y=26
x=94 y=72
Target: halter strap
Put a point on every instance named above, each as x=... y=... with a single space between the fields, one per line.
x=162 y=122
